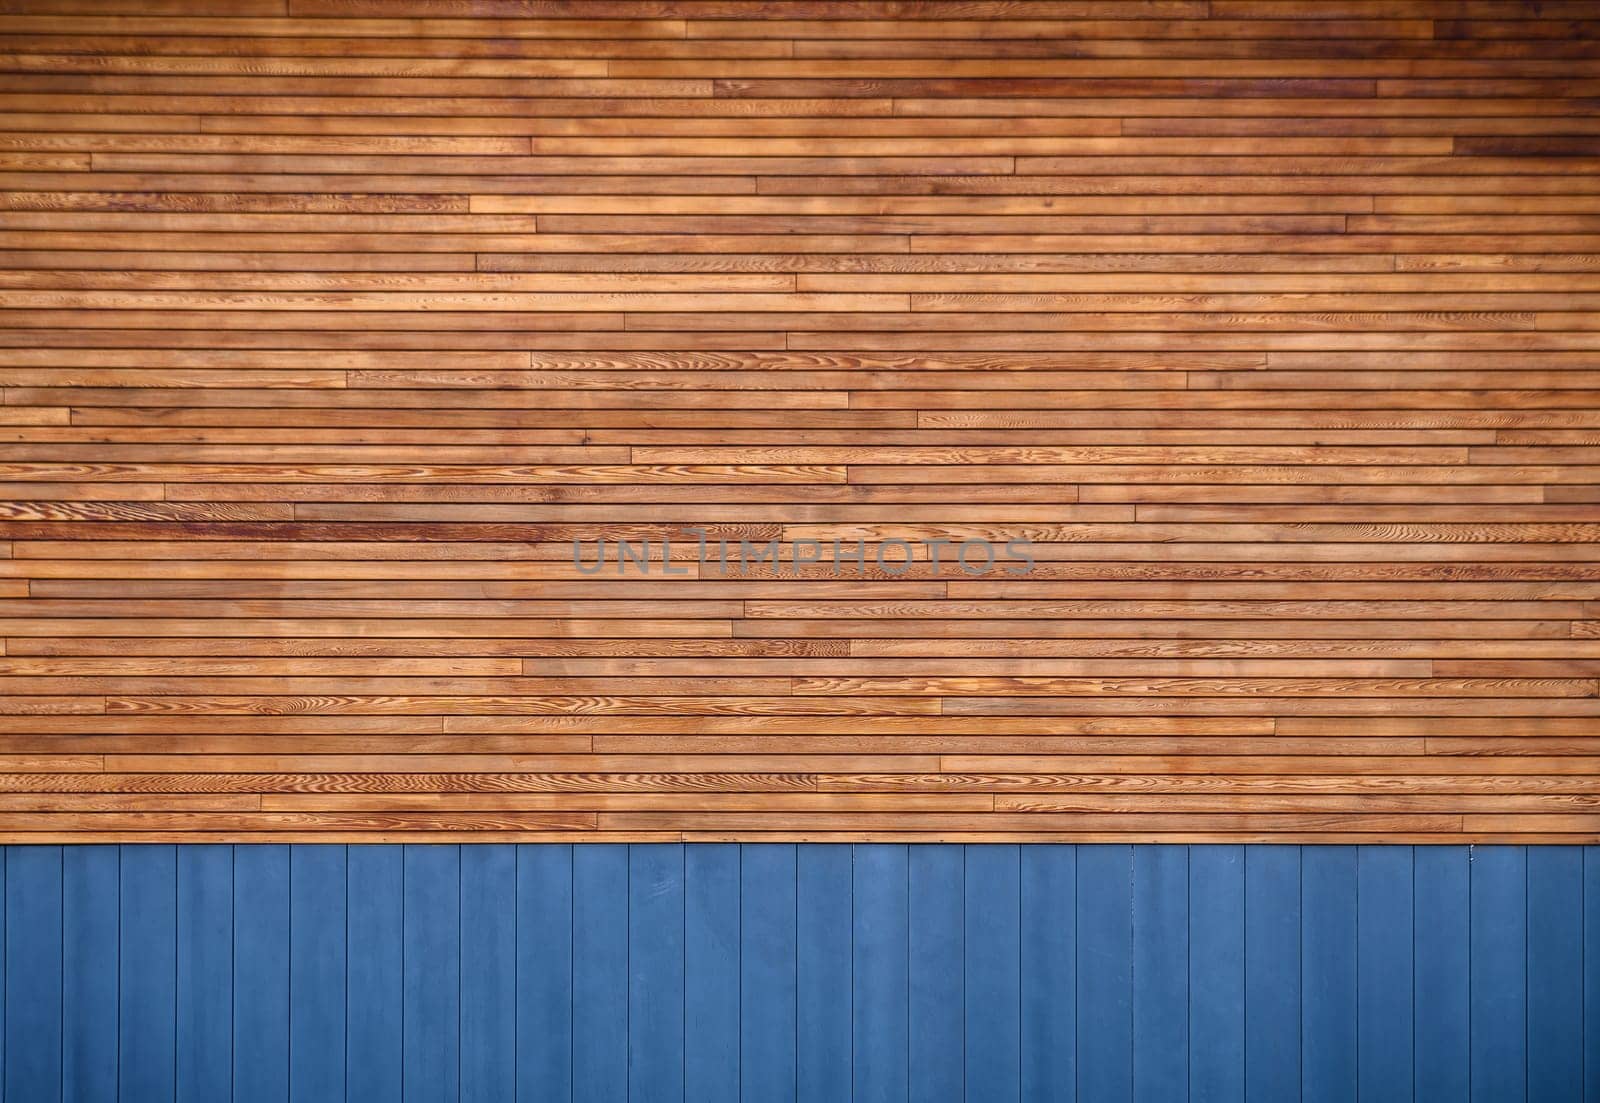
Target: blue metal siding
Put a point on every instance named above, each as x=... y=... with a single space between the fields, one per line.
x=800 y=974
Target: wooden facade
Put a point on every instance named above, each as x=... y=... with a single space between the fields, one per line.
x=1267 y=327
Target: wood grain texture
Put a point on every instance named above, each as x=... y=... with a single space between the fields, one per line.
x=328 y=326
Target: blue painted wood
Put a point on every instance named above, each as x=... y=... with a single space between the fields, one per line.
x=1216 y=974
x=1328 y=975
x=655 y=973
x=1441 y=951
x=1105 y=973
x=488 y=973
x=882 y=982
x=1555 y=973
x=147 y=992
x=935 y=991
x=1160 y=973
x=823 y=962
x=1384 y=989
x=1499 y=941
x=812 y=974
x=431 y=974
x=3 y=1006
x=993 y=973
x=599 y=974
x=1048 y=902
x=261 y=974
x=317 y=922
x=1591 y=974
x=1272 y=972
x=89 y=926
x=767 y=989
x=544 y=973
x=205 y=973
x=33 y=973
x=373 y=955
x=711 y=973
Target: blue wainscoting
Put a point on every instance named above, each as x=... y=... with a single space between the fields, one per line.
x=817 y=974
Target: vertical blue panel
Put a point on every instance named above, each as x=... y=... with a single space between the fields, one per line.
x=993 y=972
x=1383 y=971
x=1555 y=973
x=1272 y=972
x=261 y=974
x=1160 y=973
x=375 y=924
x=711 y=973
x=1049 y=922
x=33 y=973
x=823 y=955
x=4 y=853
x=317 y=880
x=1499 y=974
x=544 y=973
x=935 y=1018
x=431 y=980
x=89 y=922
x=767 y=973
x=1216 y=974
x=1105 y=973
x=205 y=973
x=655 y=973
x=488 y=973
x=882 y=979
x=1500 y=946
x=148 y=970
x=1328 y=974
x=1440 y=950
x=1591 y=974
x=711 y=981
x=599 y=973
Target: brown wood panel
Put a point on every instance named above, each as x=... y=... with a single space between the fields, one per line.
x=331 y=331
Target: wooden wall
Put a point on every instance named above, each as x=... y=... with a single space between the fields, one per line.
x=800 y=974
x=329 y=325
